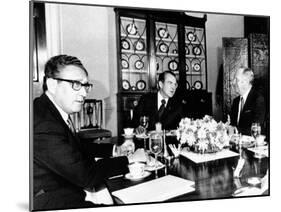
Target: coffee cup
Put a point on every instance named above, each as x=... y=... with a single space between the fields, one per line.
x=129 y=131
x=136 y=169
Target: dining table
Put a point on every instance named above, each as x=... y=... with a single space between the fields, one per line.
x=214 y=179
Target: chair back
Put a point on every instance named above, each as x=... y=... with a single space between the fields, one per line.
x=91 y=115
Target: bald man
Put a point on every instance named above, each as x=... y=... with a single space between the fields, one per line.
x=249 y=106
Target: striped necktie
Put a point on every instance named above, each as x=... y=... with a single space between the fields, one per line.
x=161 y=109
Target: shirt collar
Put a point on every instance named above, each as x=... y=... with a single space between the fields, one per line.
x=159 y=99
x=63 y=114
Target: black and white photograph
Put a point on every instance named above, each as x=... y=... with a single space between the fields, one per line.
x=100 y=138
x=144 y=107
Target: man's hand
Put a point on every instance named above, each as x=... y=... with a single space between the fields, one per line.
x=138 y=156
x=127 y=148
x=140 y=130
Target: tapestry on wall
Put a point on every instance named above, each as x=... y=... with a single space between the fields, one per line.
x=235 y=55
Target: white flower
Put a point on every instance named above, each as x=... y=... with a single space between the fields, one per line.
x=201 y=133
x=191 y=139
x=204 y=133
x=193 y=128
x=183 y=138
x=203 y=145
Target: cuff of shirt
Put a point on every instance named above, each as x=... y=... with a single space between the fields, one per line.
x=114 y=151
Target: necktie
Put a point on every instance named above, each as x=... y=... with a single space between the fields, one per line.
x=70 y=125
x=161 y=109
x=241 y=108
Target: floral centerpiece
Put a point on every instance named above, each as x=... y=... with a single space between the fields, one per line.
x=203 y=135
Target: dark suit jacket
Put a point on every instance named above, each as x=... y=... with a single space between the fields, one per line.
x=148 y=106
x=253 y=111
x=61 y=169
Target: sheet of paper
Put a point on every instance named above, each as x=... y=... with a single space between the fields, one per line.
x=201 y=158
x=157 y=190
x=260 y=150
x=247 y=191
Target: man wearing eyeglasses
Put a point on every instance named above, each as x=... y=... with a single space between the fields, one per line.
x=61 y=168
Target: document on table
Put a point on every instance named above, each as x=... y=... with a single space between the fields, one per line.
x=157 y=190
x=201 y=158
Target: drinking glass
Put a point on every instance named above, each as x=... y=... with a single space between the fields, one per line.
x=155 y=146
x=255 y=129
x=144 y=123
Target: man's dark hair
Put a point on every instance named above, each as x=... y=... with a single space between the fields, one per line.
x=56 y=63
x=163 y=75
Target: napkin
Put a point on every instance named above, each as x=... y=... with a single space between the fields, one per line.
x=157 y=190
x=150 y=164
x=175 y=150
x=260 y=150
x=247 y=191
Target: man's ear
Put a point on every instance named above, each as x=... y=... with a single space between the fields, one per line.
x=52 y=84
x=160 y=83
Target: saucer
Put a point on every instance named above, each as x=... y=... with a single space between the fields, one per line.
x=129 y=136
x=142 y=136
x=262 y=144
x=152 y=168
x=247 y=191
x=130 y=177
x=254 y=181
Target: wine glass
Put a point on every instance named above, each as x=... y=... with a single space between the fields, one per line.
x=144 y=123
x=155 y=146
x=255 y=130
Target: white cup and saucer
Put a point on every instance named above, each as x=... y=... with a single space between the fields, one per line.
x=129 y=133
x=136 y=171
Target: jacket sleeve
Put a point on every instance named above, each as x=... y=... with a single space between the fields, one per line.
x=259 y=109
x=54 y=150
x=234 y=113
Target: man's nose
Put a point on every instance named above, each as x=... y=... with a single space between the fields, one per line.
x=83 y=91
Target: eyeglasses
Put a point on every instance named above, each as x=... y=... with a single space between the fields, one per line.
x=76 y=85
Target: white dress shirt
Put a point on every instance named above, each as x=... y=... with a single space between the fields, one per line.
x=244 y=99
x=159 y=100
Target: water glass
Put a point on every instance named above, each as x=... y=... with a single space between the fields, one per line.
x=255 y=129
x=156 y=146
x=144 y=123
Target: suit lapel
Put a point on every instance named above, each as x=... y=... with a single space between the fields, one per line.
x=248 y=100
x=57 y=115
x=169 y=105
x=154 y=102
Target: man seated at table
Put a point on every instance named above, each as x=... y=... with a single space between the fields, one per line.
x=160 y=107
x=249 y=106
x=61 y=168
